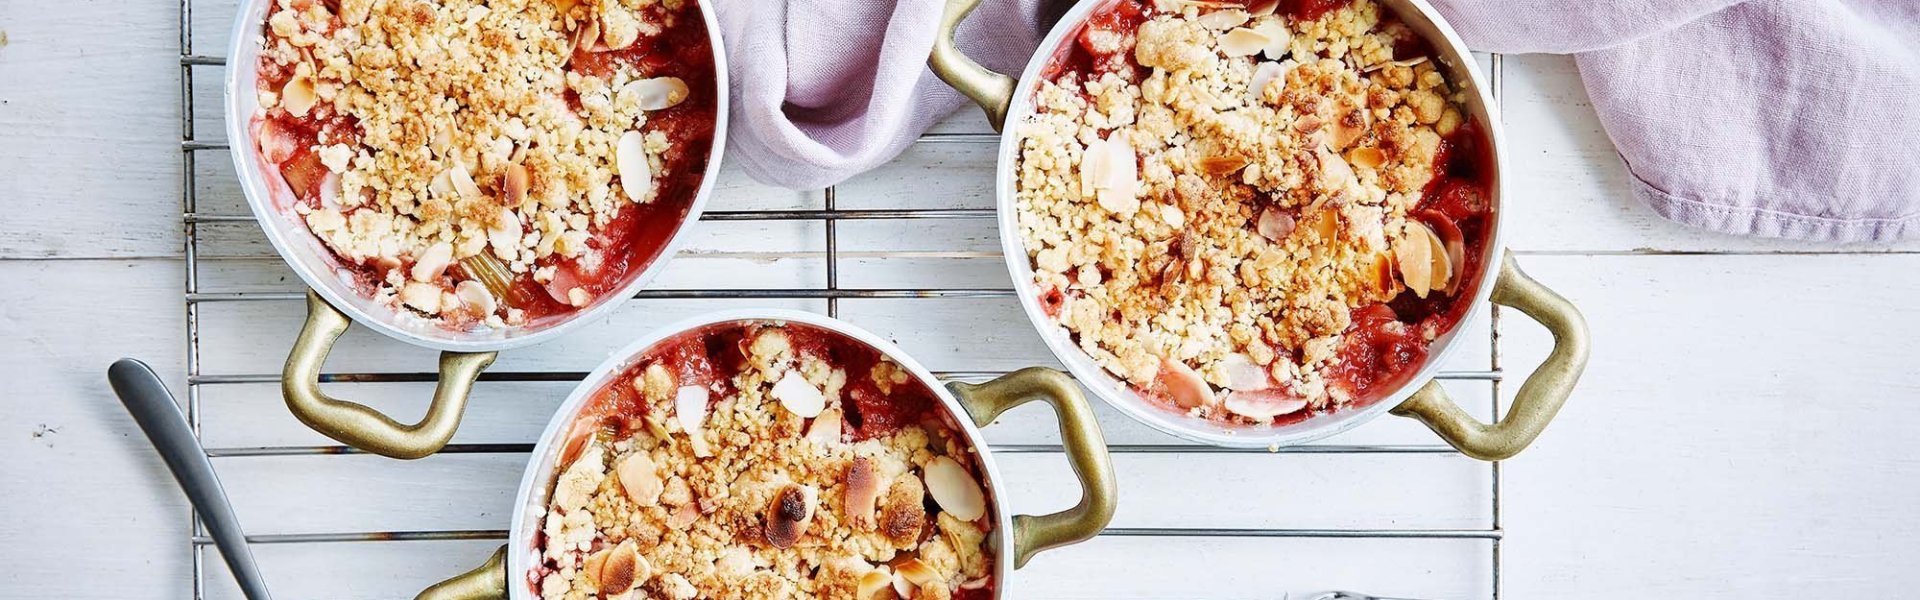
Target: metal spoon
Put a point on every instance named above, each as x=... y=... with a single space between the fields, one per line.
x=153 y=408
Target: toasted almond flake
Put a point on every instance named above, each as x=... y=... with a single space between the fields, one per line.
x=1335 y=173
x=1183 y=386
x=1325 y=222
x=636 y=174
x=1223 y=19
x=1454 y=244
x=826 y=427
x=875 y=584
x=1241 y=41
x=798 y=396
x=432 y=262
x=475 y=297
x=954 y=489
x=423 y=297
x=623 y=569
x=790 y=513
x=1367 y=157
x=1262 y=405
x=1442 y=263
x=901 y=586
x=640 y=479
x=916 y=571
x=1415 y=255
x=862 y=491
x=1244 y=375
x=1409 y=62
x=298 y=96
x=1277 y=38
x=1221 y=165
x=657 y=93
x=588 y=37
x=683 y=516
x=514 y=184
x=1275 y=224
x=595 y=564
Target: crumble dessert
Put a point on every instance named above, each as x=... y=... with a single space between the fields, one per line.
x=486 y=163
x=1252 y=211
x=758 y=460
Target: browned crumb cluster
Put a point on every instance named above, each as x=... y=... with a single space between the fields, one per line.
x=757 y=500
x=1223 y=214
x=453 y=128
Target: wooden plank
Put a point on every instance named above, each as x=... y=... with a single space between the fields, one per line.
x=1743 y=431
x=86 y=497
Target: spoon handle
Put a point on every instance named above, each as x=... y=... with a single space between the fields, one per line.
x=153 y=408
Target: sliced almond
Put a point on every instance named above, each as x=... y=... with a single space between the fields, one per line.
x=1278 y=39
x=423 y=297
x=657 y=93
x=1275 y=224
x=504 y=235
x=330 y=190
x=954 y=488
x=1244 y=375
x=1241 y=41
x=690 y=408
x=1367 y=157
x=475 y=297
x=462 y=181
x=1183 y=386
x=1113 y=170
x=876 y=585
x=514 y=184
x=432 y=262
x=863 y=489
x=790 y=513
x=1335 y=173
x=1453 y=241
x=1263 y=405
x=1414 y=254
x=595 y=564
x=826 y=427
x=1221 y=165
x=1442 y=263
x=623 y=569
x=298 y=96
x=1223 y=19
x=916 y=571
x=1325 y=222
x=588 y=37
x=636 y=174
x=903 y=512
x=798 y=396
x=901 y=586
x=640 y=479
x=1264 y=75
x=683 y=516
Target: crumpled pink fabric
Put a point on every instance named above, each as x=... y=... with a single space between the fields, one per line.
x=1784 y=118
x=826 y=89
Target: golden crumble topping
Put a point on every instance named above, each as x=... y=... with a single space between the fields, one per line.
x=1205 y=218
x=424 y=134
x=777 y=486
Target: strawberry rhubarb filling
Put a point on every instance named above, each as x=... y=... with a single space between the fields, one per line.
x=487 y=163
x=1252 y=212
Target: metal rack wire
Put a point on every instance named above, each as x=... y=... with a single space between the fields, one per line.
x=192 y=148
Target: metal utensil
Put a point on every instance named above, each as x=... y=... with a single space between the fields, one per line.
x=1351 y=596
x=153 y=408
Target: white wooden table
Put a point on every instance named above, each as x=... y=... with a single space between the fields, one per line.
x=1741 y=432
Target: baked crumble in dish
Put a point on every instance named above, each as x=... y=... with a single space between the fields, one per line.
x=761 y=460
x=1252 y=212
x=487 y=163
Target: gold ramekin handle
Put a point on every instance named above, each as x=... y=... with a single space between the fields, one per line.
x=992 y=91
x=1539 y=398
x=488 y=582
x=1079 y=435
x=356 y=424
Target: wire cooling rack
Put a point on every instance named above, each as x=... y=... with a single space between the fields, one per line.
x=207 y=68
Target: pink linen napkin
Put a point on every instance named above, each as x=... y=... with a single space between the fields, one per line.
x=826 y=89
x=1786 y=118
x=1782 y=118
